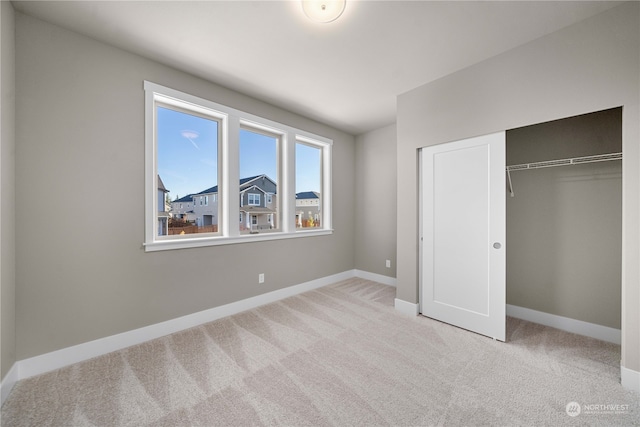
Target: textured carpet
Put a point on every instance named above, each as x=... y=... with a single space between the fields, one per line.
x=340 y=355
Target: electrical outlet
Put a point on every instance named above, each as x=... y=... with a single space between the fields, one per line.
x=388 y=263
x=261 y=278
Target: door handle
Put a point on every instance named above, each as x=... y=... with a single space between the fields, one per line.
x=497 y=245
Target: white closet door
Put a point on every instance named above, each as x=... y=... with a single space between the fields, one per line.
x=463 y=234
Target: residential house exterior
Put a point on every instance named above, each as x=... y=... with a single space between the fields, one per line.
x=163 y=215
x=205 y=207
x=308 y=209
x=258 y=205
x=182 y=208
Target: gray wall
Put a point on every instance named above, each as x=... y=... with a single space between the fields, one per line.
x=81 y=272
x=564 y=225
x=375 y=213
x=591 y=66
x=7 y=189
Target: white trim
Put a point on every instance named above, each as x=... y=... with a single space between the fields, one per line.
x=78 y=353
x=385 y=280
x=408 y=308
x=195 y=242
x=22 y=369
x=326 y=184
x=579 y=327
x=630 y=379
x=60 y=358
x=9 y=380
x=230 y=122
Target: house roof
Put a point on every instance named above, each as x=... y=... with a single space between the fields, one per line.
x=244 y=182
x=161 y=186
x=253 y=187
x=184 y=199
x=256 y=210
x=213 y=189
x=307 y=195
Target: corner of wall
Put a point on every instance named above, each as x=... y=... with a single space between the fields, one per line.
x=7 y=191
x=375 y=197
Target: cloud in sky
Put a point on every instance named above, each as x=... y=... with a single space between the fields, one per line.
x=191 y=135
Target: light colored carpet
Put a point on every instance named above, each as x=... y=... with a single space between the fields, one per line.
x=340 y=355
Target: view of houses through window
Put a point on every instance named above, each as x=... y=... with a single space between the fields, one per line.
x=258 y=191
x=308 y=179
x=187 y=145
x=188 y=165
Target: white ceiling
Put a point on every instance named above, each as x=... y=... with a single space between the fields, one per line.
x=346 y=73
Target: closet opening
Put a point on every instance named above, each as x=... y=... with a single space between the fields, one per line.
x=564 y=224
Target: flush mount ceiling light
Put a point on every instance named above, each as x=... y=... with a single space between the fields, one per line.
x=323 y=10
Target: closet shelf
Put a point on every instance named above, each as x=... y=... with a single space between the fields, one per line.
x=565 y=162
x=560 y=162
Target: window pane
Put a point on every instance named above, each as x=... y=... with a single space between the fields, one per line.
x=258 y=182
x=308 y=186
x=187 y=147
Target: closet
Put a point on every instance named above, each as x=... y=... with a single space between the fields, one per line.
x=564 y=219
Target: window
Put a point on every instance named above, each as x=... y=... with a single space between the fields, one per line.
x=259 y=154
x=187 y=144
x=309 y=182
x=226 y=160
x=254 y=200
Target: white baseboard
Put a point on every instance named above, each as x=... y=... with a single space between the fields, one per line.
x=374 y=277
x=630 y=379
x=8 y=382
x=408 y=308
x=579 y=327
x=60 y=358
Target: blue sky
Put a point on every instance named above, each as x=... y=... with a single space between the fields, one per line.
x=187 y=152
x=258 y=155
x=188 y=155
x=307 y=168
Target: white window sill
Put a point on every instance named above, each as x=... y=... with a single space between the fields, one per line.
x=198 y=242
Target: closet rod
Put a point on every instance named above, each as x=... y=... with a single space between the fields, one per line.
x=565 y=162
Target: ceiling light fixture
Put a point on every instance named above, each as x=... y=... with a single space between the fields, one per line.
x=323 y=11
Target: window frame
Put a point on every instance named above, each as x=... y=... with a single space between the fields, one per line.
x=253 y=196
x=230 y=122
x=278 y=135
x=325 y=184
